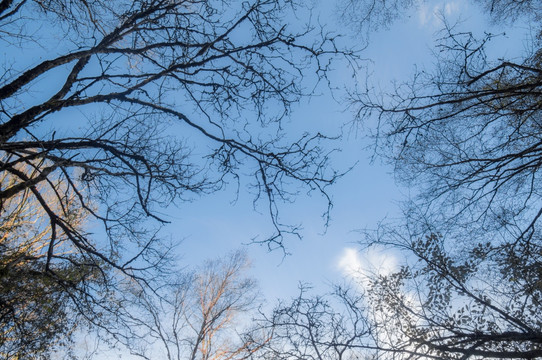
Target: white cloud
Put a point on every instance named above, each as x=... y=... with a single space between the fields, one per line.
x=432 y=16
x=451 y=8
x=361 y=266
x=349 y=262
x=423 y=14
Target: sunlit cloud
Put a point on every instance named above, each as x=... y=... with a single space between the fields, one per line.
x=362 y=266
x=349 y=262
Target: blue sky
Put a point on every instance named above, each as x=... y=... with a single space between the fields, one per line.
x=218 y=223
x=213 y=225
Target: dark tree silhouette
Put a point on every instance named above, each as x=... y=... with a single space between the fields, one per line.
x=466 y=136
x=319 y=327
x=134 y=105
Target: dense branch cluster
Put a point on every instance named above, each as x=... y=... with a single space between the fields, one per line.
x=122 y=108
x=474 y=142
x=34 y=305
x=467 y=137
x=129 y=106
x=334 y=326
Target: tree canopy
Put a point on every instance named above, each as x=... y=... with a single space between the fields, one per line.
x=112 y=111
x=465 y=136
x=127 y=107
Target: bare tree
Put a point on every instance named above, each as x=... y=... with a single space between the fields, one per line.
x=332 y=326
x=477 y=303
x=470 y=139
x=366 y=16
x=134 y=105
x=200 y=316
x=466 y=138
x=472 y=304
